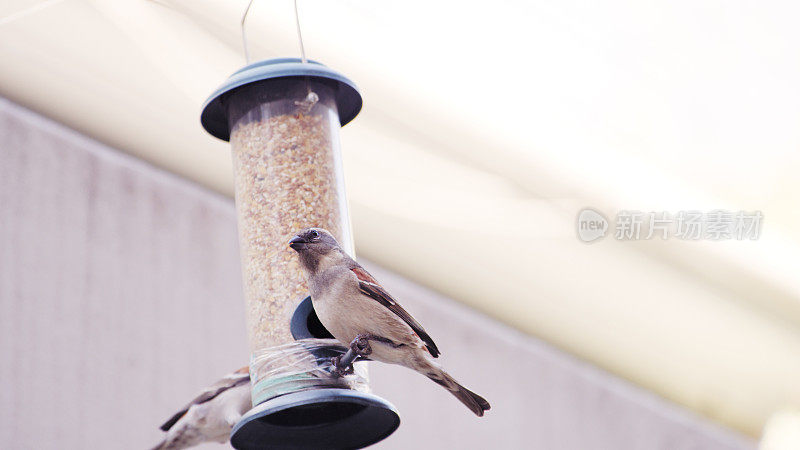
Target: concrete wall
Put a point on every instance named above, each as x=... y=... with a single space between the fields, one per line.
x=120 y=297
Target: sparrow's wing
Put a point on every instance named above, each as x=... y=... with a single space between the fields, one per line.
x=231 y=380
x=370 y=287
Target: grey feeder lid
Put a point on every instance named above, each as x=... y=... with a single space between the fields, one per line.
x=316 y=418
x=214 y=117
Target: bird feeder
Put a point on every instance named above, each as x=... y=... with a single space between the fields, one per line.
x=282 y=119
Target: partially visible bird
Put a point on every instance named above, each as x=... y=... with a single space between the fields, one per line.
x=361 y=314
x=210 y=417
x=307 y=104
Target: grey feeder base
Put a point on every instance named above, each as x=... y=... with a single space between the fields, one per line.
x=317 y=418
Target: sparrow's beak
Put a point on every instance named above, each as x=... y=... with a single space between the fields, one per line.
x=297 y=243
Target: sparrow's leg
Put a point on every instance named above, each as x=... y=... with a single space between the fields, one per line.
x=343 y=365
x=360 y=345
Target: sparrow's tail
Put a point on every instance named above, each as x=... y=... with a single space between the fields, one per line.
x=473 y=401
x=176 y=444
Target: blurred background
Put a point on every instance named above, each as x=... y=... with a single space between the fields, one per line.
x=486 y=128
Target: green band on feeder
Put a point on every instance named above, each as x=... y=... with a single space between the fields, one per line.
x=305 y=364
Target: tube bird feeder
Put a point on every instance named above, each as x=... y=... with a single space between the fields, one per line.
x=282 y=118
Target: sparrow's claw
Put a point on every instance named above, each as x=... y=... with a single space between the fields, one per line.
x=339 y=370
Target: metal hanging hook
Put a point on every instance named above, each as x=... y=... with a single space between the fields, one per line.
x=299 y=33
x=244 y=35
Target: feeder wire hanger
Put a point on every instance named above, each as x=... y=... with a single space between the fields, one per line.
x=297 y=23
x=311 y=97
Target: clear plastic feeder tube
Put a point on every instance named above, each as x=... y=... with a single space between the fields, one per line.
x=282 y=118
x=288 y=176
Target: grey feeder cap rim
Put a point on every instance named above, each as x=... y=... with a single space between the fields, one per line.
x=266 y=427
x=214 y=117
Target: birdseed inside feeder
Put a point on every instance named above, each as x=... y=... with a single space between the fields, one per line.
x=282 y=118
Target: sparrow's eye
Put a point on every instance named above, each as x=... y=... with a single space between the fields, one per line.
x=314 y=234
